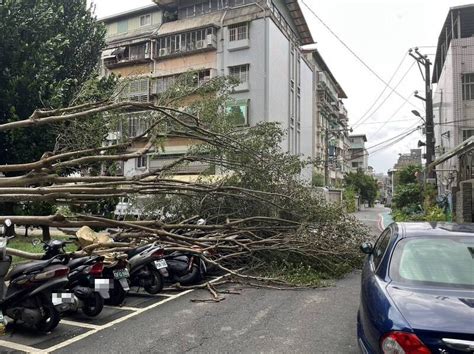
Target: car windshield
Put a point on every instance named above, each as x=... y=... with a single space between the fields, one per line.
x=438 y=261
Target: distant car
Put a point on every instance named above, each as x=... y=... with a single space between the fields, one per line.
x=417 y=292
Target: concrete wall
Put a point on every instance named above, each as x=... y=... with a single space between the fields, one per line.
x=133 y=25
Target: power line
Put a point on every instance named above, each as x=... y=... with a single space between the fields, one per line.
x=390 y=118
x=412 y=128
x=351 y=51
x=383 y=91
x=390 y=94
x=386 y=146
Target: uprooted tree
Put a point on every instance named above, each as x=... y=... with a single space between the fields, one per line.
x=259 y=213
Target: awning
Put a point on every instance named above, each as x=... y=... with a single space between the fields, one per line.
x=458 y=150
x=119 y=51
x=108 y=53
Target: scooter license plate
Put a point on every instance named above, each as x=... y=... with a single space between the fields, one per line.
x=160 y=264
x=121 y=273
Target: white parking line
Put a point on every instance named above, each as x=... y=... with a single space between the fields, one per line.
x=80 y=324
x=97 y=328
x=20 y=347
x=128 y=308
x=113 y=323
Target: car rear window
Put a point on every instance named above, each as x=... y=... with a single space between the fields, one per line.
x=436 y=261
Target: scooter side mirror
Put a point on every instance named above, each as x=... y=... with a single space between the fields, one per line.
x=35 y=241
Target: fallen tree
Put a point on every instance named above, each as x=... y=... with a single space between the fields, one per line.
x=259 y=212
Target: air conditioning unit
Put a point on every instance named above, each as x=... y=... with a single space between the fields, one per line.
x=210 y=42
x=163 y=52
x=199 y=44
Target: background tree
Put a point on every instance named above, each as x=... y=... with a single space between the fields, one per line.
x=364 y=185
x=48 y=50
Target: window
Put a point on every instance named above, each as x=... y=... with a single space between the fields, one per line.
x=380 y=248
x=355 y=164
x=122 y=26
x=139 y=51
x=467 y=133
x=238 y=32
x=145 y=20
x=240 y=72
x=187 y=42
x=141 y=162
x=468 y=86
x=136 y=90
x=438 y=261
x=137 y=125
x=238 y=112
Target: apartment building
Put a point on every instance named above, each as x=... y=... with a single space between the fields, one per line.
x=359 y=155
x=256 y=41
x=330 y=124
x=453 y=100
x=407 y=159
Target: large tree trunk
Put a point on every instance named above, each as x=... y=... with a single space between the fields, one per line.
x=46 y=234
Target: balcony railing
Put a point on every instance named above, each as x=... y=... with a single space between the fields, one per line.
x=186 y=43
x=125 y=55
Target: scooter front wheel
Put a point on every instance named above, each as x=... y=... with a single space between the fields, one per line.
x=93 y=305
x=156 y=282
x=50 y=318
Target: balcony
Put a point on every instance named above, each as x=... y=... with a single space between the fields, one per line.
x=196 y=79
x=126 y=55
x=186 y=43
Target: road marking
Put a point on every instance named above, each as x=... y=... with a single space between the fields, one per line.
x=80 y=324
x=113 y=323
x=93 y=329
x=21 y=347
x=128 y=308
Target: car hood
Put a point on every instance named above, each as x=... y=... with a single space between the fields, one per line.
x=434 y=309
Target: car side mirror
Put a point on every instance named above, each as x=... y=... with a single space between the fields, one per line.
x=367 y=248
x=35 y=242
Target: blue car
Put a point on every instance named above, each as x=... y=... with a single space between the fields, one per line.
x=417 y=292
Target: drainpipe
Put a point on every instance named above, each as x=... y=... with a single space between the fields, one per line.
x=221 y=52
x=266 y=59
x=152 y=53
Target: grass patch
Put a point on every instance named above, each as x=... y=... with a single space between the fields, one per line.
x=24 y=244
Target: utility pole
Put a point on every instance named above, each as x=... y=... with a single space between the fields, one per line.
x=423 y=60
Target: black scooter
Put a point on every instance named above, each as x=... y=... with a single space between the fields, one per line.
x=28 y=297
x=186 y=269
x=147 y=267
x=81 y=291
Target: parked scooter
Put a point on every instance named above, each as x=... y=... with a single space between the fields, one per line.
x=28 y=298
x=115 y=270
x=185 y=268
x=81 y=290
x=147 y=267
x=118 y=275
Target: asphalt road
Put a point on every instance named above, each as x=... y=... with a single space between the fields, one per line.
x=257 y=321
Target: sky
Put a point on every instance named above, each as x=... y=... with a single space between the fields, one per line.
x=379 y=32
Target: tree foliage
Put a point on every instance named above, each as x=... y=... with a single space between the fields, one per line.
x=364 y=185
x=48 y=50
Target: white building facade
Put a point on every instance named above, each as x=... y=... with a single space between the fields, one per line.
x=256 y=41
x=453 y=100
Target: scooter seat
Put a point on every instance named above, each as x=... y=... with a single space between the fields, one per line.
x=76 y=262
x=136 y=251
x=30 y=267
